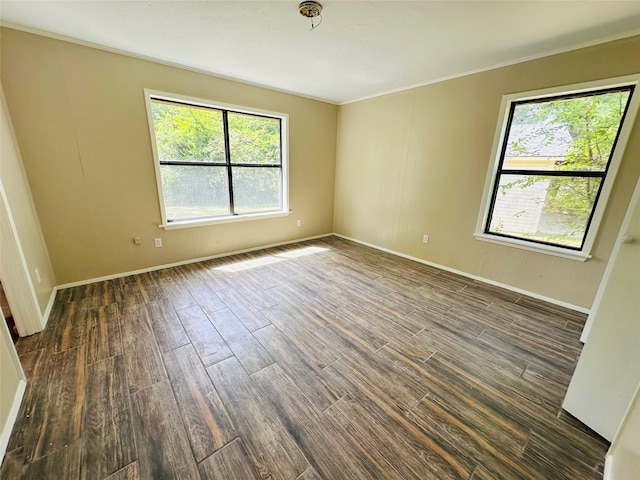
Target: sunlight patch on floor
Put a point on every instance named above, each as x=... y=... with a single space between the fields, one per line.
x=269 y=259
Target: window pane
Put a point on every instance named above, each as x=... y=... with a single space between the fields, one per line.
x=553 y=210
x=574 y=134
x=194 y=192
x=254 y=139
x=188 y=133
x=256 y=189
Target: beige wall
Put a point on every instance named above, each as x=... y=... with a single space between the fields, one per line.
x=20 y=203
x=415 y=163
x=81 y=124
x=80 y=120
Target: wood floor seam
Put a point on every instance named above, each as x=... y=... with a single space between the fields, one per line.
x=333 y=362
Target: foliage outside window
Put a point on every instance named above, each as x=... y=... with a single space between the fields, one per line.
x=216 y=163
x=554 y=159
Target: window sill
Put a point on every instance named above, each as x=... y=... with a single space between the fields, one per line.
x=219 y=220
x=524 y=245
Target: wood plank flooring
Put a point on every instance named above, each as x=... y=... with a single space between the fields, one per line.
x=318 y=360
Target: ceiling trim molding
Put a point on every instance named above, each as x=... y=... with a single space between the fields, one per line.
x=117 y=51
x=84 y=43
x=550 y=53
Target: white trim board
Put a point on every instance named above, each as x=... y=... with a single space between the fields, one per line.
x=7 y=428
x=47 y=310
x=608 y=467
x=19 y=287
x=186 y=262
x=11 y=419
x=139 y=56
x=473 y=277
x=635 y=198
x=609 y=459
x=495 y=66
x=393 y=252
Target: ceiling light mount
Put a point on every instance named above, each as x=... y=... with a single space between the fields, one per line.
x=311 y=9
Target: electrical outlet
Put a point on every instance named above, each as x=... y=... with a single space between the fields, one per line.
x=137 y=240
x=425 y=239
x=38 y=276
x=157 y=242
x=299 y=223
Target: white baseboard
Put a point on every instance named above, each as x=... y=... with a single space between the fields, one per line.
x=288 y=242
x=186 y=262
x=473 y=277
x=47 y=311
x=11 y=419
x=608 y=467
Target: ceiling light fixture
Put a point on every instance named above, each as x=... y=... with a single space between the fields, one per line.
x=311 y=9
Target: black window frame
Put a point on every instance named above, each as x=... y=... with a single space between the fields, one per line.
x=228 y=164
x=554 y=173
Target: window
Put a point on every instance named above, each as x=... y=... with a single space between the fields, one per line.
x=555 y=160
x=216 y=163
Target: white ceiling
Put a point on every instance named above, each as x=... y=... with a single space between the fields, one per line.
x=361 y=49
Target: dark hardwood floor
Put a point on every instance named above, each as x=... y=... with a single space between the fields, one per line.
x=318 y=360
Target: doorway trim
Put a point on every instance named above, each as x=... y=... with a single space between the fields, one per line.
x=17 y=284
x=6 y=429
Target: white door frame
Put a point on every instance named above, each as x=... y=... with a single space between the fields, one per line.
x=5 y=430
x=635 y=198
x=16 y=281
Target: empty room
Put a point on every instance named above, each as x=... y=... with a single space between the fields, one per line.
x=320 y=240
